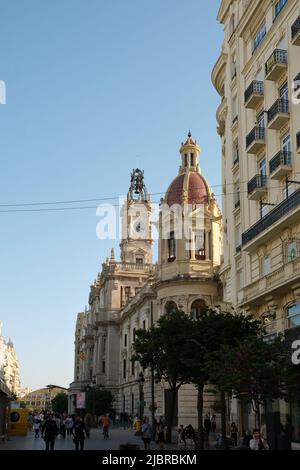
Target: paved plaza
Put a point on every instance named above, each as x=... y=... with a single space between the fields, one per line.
x=95 y=442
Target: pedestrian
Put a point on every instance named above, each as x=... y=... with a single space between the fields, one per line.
x=37 y=426
x=105 y=421
x=161 y=437
x=137 y=426
x=234 y=433
x=69 y=425
x=79 y=432
x=256 y=442
x=181 y=435
x=207 y=425
x=49 y=432
x=146 y=433
x=213 y=423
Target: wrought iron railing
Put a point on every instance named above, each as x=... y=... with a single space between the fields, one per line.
x=258 y=133
x=280 y=106
x=296 y=27
x=281 y=158
x=256 y=87
x=280 y=211
x=259 y=181
x=279 y=56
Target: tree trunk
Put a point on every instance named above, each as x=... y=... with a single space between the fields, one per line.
x=200 y=388
x=171 y=415
x=223 y=421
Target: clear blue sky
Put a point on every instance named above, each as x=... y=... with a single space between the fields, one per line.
x=94 y=88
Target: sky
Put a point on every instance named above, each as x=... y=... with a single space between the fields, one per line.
x=93 y=89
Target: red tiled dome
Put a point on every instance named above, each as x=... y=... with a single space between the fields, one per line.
x=197 y=189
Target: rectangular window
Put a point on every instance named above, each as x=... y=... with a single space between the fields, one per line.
x=139 y=260
x=278 y=7
x=264 y=209
x=237 y=195
x=263 y=170
x=127 y=293
x=266 y=265
x=259 y=36
x=124 y=368
x=236 y=152
x=234 y=108
x=192 y=159
x=125 y=341
x=185 y=160
x=172 y=247
x=144 y=324
x=284 y=92
x=292 y=250
x=132 y=367
x=133 y=334
x=238 y=236
x=293 y=315
x=103 y=367
x=261 y=120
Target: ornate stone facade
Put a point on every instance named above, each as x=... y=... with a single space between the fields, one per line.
x=133 y=293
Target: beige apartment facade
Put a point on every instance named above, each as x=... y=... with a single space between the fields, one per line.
x=132 y=293
x=257 y=76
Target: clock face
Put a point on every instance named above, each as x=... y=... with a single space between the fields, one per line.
x=139 y=227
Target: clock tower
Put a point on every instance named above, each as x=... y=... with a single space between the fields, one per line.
x=136 y=244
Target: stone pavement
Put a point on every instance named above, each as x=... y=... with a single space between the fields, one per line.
x=95 y=442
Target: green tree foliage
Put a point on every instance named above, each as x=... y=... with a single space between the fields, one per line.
x=160 y=348
x=60 y=403
x=98 y=402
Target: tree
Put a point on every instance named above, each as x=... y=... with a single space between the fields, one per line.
x=60 y=403
x=210 y=332
x=255 y=371
x=98 y=402
x=160 y=348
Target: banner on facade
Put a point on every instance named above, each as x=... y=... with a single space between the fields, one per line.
x=80 y=400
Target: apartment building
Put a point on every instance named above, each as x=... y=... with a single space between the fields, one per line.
x=258 y=78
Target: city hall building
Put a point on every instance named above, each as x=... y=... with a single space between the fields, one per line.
x=132 y=293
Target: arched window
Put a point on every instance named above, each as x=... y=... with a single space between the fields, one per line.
x=170 y=307
x=197 y=307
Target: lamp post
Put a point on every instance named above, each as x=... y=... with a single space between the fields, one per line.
x=141 y=381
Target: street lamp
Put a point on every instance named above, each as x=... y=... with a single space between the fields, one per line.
x=141 y=381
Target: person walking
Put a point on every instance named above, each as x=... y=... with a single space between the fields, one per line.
x=105 y=425
x=234 y=433
x=213 y=423
x=256 y=442
x=161 y=437
x=146 y=433
x=37 y=426
x=207 y=425
x=49 y=432
x=79 y=432
x=69 y=425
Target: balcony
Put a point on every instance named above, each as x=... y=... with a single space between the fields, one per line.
x=279 y=218
x=257 y=187
x=298 y=142
x=276 y=64
x=255 y=140
x=278 y=114
x=254 y=95
x=296 y=32
x=277 y=281
x=280 y=165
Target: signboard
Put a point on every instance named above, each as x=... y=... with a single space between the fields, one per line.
x=80 y=400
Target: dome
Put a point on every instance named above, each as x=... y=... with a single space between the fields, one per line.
x=193 y=185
